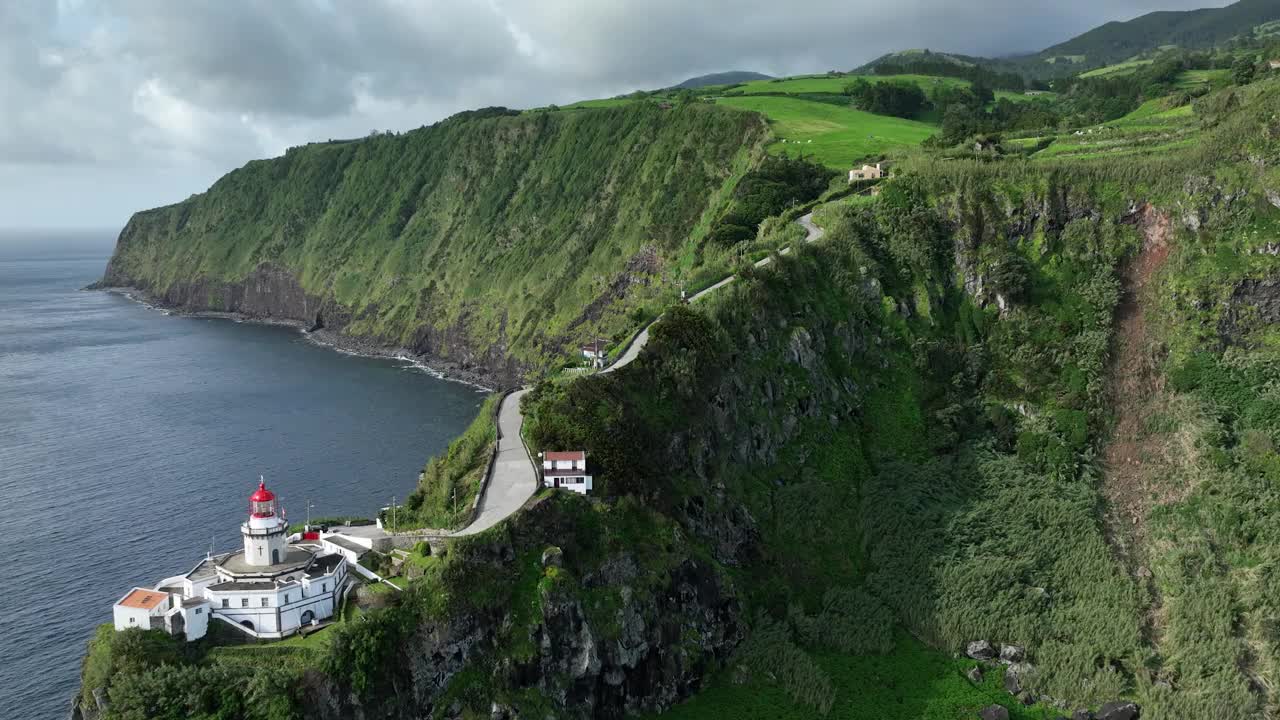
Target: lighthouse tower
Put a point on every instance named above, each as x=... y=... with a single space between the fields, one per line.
x=265 y=532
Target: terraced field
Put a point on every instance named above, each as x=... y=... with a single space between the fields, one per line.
x=833 y=135
x=1125 y=68
x=1152 y=128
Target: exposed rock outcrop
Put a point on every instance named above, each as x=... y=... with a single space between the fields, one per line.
x=1253 y=304
x=981 y=650
x=993 y=712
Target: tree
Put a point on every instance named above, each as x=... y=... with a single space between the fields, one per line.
x=1244 y=70
x=959 y=123
x=983 y=92
x=897 y=98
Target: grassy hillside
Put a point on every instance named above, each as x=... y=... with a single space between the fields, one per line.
x=835 y=84
x=988 y=445
x=829 y=134
x=723 y=78
x=1116 y=41
x=478 y=235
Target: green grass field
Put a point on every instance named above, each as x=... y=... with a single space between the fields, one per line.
x=829 y=134
x=1125 y=68
x=836 y=84
x=600 y=103
x=1192 y=79
x=1155 y=115
x=911 y=683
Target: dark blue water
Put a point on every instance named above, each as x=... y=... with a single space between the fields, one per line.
x=129 y=440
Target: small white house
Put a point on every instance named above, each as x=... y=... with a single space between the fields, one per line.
x=141 y=608
x=566 y=470
x=866 y=172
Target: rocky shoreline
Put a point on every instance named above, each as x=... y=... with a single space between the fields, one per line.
x=337 y=341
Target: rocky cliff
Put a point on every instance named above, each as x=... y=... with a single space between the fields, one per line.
x=585 y=627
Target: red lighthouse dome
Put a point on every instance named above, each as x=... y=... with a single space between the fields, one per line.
x=262 y=503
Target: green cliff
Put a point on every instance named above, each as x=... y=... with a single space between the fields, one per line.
x=492 y=240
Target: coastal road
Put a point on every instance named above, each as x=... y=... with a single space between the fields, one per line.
x=513 y=479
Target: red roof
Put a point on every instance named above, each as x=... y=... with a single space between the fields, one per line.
x=143 y=599
x=262 y=494
x=572 y=455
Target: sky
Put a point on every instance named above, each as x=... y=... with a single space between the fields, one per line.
x=111 y=106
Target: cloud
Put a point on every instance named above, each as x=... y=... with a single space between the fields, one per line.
x=201 y=86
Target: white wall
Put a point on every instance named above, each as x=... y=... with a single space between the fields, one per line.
x=335 y=550
x=285 y=604
x=196 y=620
x=130 y=617
x=564 y=465
x=258 y=549
x=570 y=483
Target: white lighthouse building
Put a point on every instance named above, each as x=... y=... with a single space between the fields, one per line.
x=269 y=589
x=265 y=530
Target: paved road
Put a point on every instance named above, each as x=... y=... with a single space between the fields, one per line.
x=513 y=480
x=812 y=234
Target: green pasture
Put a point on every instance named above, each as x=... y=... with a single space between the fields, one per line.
x=830 y=134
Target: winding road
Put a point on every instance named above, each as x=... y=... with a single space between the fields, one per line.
x=513 y=477
x=813 y=233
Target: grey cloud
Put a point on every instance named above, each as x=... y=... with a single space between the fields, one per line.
x=310 y=59
x=140 y=88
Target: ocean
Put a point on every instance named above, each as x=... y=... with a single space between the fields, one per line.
x=130 y=441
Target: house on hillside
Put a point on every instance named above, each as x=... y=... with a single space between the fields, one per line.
x=1035 y=92
x=593 y=353
x=567 y=470
x=866 y=172
x=1273 y=64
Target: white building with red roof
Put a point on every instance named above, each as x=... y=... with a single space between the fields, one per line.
x=268 y=589
x=566 y=470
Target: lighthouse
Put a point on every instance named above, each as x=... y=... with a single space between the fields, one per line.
x=268 y=590
x=265 y=531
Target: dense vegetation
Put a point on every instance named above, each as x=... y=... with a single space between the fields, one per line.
x=448 y=485
x=775 y=186
x=900 y=99
x=927 y=64
x=922 y=515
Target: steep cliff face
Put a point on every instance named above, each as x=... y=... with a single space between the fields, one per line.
x=477 y=241
x=588 y=627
